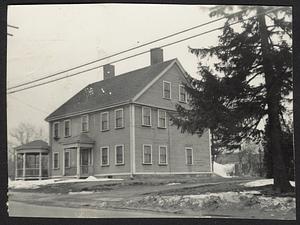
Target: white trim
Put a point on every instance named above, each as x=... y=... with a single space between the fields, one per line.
x=70 y=129
x=101 y=163
x=120 y=109
x=168 y=82
x=123 y=156
x=144 y=154
x=189 y=148
x=159 y=162
x=87 y=111
x=53 y=131
x=67 y=151
x=53 y=167
x=153 y=81
x=155 y=106
x=107 y=114
x=132 y=137
x=87 y=127
x=179 y=94
x=143 y=121
x=209 y=147
x=158 y=118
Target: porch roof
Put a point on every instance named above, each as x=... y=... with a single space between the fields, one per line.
x=34 y=145
x=81 y=139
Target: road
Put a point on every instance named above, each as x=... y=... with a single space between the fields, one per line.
x=18 y=209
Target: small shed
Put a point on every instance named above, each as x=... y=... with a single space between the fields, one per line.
x=32 y=160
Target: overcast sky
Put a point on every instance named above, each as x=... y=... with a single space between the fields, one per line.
x=52 y=38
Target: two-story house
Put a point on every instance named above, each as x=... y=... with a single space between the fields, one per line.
x=121 y=126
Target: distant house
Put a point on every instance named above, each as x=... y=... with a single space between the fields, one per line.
x=121 y=126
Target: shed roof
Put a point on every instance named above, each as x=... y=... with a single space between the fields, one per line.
x=108 y=92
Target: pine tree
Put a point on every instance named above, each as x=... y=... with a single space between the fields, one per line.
x=250 y=80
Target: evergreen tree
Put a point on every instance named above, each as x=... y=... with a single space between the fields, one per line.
x=251 y=79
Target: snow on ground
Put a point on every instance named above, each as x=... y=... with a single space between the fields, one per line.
x=81 y=192
x=263 y=182
x=33 y=184
x=224 y=170
x=171 y=184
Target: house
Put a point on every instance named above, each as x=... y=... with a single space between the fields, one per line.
x=121 y=126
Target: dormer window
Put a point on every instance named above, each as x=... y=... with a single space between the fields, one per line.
x=166 y=89
x=182 y=94
x=56 y=130
x=85 y=123
x=67 y=128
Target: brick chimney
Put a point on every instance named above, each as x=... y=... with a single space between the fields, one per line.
x=156 y=55
x=108 y=71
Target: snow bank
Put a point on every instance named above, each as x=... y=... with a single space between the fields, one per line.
x=263 y=182
x=171 y=184
x=81 y=192
x=33 y=184
x=224 y=170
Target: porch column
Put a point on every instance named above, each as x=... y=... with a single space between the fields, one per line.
x=40 y=166
x=63 y=163
x=16 y=164
x=78 y=162
x=24 y=165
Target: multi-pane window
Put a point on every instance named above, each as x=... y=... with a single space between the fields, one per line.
x=67 y=159
x=162 y=154
x=162 y=118
x=119 y=154
x=55 y=130
x=67 y=128
x=55 y=160
x=104 y=121
x=119 y=118
x=167 y=89
x=182 y=94
x=147 y=154
x=189 y=156
x=105 y=156
x=146 y=116
x=84 y=123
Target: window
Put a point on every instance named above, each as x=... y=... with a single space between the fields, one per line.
x=105 y=156
x=84 y=123
x=166 y=89
x=189 y=156
x=67 y=159
x=147 y=154
x=119 y=118
x=55 y=160
x=162 y=155
x=119 y=154
x=67 y=128
x=182 y=94
x=146 y=116
x=104 y=118
x=162 y=118
x=55 y=130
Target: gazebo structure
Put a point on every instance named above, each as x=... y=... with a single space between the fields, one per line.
x=32 y=160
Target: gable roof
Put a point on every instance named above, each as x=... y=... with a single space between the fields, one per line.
x=116 y=90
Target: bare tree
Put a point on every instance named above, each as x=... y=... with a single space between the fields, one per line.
x=25 y=133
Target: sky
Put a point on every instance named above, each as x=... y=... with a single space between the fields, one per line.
x=52 y=38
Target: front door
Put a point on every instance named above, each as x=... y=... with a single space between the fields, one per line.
x=85 y=161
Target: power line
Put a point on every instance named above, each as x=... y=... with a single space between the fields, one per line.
x=162 y=46
x=33 y=107
x=9 y=34
x=122 y=52
x=12 y=26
